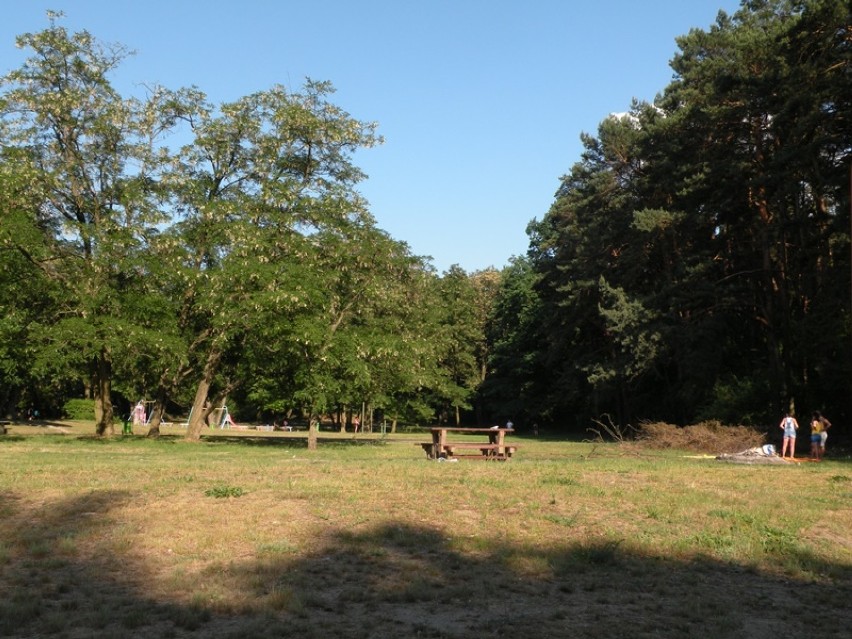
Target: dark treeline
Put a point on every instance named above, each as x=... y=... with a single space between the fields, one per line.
x=695 y=263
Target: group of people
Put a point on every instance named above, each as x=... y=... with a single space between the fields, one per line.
x=819 y=434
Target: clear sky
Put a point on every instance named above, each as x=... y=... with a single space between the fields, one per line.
x=481 y=102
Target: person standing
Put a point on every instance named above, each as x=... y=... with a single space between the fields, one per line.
x=789 y=425
x=816 y=437
x=139 y=414
x=823 y=433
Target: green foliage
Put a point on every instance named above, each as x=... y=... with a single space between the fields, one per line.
x=224 y=491
x=632 y=344
x=695 y=263
x=518 y=380
x=191 y=266
x=733 y=401
x=88 y=158
x=80 y=409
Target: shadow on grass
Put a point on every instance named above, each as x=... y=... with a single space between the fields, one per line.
x=251 y=441
x=38 y=423
x=291 y=442
x=397 y=580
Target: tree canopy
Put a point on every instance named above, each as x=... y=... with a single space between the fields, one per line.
x=243 y=264
x=695 y=263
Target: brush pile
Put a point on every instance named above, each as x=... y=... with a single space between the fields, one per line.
x=710 y=437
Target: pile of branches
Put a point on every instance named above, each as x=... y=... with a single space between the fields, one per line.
x=711 y=437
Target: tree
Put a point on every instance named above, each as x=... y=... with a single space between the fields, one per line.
x=359 y=345
x=26 y=294
x=88 y=158
x=758 y=94
x=461 y=338
x=696 y=247
x=263 y=179
x=517 y=381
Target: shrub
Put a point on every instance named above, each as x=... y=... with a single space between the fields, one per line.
x=80 y=409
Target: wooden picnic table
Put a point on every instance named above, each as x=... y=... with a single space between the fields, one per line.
x=494 y=448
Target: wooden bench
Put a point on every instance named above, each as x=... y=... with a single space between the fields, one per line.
x=429 y=449
x=492 y=449
x=486 y=451
x=4 y=426
x=449 y=449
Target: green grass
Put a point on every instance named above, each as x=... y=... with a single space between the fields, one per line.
x=257 y=536
x=223 y=491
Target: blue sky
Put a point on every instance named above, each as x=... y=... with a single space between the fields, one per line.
x=481 y=102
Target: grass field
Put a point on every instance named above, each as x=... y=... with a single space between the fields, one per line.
x=255 y=536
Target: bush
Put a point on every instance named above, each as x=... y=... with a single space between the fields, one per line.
x=79 y=409
x=734 y=401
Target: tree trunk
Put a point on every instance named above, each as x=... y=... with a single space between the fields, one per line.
x=313 y=431
x=166 y=384
x=200 y=407
x=483 y=373
x=103 y=399
x=198 y=415
x=157 y=413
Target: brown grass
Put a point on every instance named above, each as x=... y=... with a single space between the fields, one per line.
x=364 y=538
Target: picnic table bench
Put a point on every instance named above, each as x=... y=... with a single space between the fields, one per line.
x=4 y=424
x=494 y=448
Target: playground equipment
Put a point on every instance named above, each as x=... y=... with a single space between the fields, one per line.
x=149 y=410
x=137 y=417
x=140 y=415
x=222 y=418
x=218 y=418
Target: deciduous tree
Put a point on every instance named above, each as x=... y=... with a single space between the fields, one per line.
x=88 y=158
